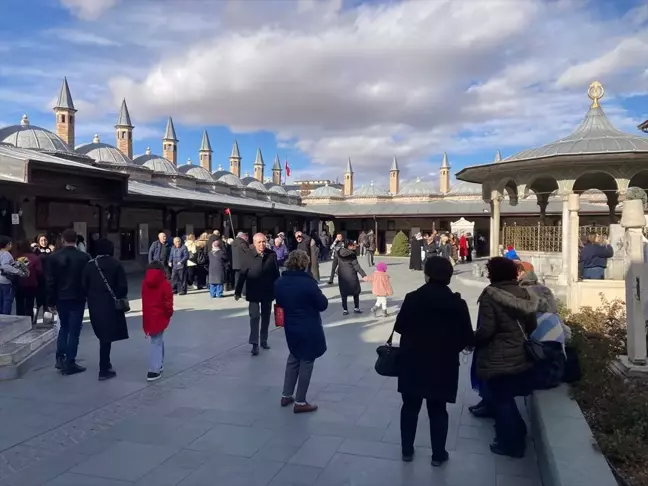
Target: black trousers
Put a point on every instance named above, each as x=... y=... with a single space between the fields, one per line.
x=104 y=356
x=438 y=424
x=356 y=301
x=25 y=299
x=333 y=269
x=179 y=280
x=191 y=274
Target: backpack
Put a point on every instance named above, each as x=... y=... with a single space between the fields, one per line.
x=201 y=256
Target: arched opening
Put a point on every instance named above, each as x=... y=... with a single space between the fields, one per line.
x=605 y=183
x=640 y=180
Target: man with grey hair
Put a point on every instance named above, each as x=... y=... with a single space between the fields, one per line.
x=259 y=273
x=240 y=249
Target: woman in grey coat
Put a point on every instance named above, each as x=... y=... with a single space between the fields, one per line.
x=218 y=264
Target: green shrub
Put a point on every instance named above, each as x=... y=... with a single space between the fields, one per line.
x=400 y=245
x=615 y=408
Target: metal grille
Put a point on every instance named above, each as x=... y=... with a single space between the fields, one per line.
x=603 y=231
x=533 y=238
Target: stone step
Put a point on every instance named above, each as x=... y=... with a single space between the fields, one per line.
x=13 y=326
x=16 y=354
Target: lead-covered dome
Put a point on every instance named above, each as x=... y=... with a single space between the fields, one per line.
x=417 y=187
x=32 y=137
x=465 y=189
x=294 y=193
x=325 y=191
x=156 y=163
x=277 y=190
x=195 y=171
x=370 y=191
x=231 y=180
x=102 y=152
x=254 y=184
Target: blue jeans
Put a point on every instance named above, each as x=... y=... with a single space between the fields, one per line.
x=156 y=357
x=594 y=273
x=510 y=428
x=6 y=299
x=216 y=290
x=71 y=318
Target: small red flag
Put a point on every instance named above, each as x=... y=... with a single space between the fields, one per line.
x=227 y=211
x=287 y=169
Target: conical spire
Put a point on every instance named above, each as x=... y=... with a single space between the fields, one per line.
x=123 y=120
x=277 y=163
x=235 y=151
x=349 y=169
x=498 y=156
x=394 y=166
x=259 y=158
x=205 y=145
x=169 y=133
x=444 y=162
x=65 y=98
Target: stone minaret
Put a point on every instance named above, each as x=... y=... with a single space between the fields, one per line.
x=259 y=166
x=394 y=177
x=276 y=171
x=65 y=115
x=205 y=153
x=348 y=179
x=170 y=143
x=444 y=173
x=124 y=129
x=235 y=160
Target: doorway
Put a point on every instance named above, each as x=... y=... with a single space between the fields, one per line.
x=127 y=245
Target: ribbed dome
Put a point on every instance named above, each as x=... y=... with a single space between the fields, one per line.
x=32 y=137
x=156 y=163
x=464 y=189
x=230 y=179
x=247 y=179
x=277 y=190
x=219 y=172
x=326 y=192
x=294 y=193
x=254 y=184
x=102 y=152
x=417 y=188
x=370 y=191
x=196 y=171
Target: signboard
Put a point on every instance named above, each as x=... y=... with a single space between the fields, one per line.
x=143 y=238
x=15 y=218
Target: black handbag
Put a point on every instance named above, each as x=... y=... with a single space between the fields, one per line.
x=121 y=305
x=387 y=362
x=533 y=348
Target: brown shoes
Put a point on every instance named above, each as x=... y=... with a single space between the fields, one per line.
x=285 y=401
x=304 y=408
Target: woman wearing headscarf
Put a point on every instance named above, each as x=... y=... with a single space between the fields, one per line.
x=416 y=247
x=105 y=282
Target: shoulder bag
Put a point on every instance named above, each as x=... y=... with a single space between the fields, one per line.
x=388 y=355
x=532 y=347
x=121 y=305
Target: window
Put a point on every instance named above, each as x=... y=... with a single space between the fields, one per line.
x=62 y=118
x=71 y=119
x=130 y=135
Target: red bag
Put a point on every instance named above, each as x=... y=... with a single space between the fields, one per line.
x=278 y=316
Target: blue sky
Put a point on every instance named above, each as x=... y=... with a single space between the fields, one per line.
x=317 y=81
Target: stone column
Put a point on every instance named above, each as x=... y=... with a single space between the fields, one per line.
x=573 y=206
x=563 y=277
x=633 y=222
x=495 y=204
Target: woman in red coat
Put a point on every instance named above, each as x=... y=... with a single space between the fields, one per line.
x=27 y=287
x=157 y=309
x=463 y=248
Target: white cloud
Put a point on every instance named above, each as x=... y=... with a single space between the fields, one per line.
x=89 y=9
x=81 y=37
x=412 y=78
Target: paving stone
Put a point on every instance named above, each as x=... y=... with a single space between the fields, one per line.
x=297 y=475
x=317 y=451
x=233 y=439
x=69 y=479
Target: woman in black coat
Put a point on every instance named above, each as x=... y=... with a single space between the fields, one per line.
x=348 y=270
x=217 y=269
x=108 y=323
x=434 y=324
x=416 y=247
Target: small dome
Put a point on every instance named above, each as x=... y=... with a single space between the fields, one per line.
x=254 y=184
x=156 y=163
x=196 y=171
x=326 y=191
x=247 y=179
x=230 y=179
x=417 y=188
x=102 y=152
x=465 y=189
x=294 y=193
x=32 y=137
x=220 y=172
x=277 y=190
x=370 y=191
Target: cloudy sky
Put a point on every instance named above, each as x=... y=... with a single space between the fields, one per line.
x=317 y=81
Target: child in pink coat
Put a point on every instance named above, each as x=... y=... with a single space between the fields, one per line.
x=381 y=287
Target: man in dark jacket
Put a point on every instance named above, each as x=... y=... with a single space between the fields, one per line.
x=178 y=258
x=335 y=248
x=66 y=295
x=259 y=273
x=504 y=321
x=159 y=252
x=434 y=324
x=370 y=247
x=240 y=249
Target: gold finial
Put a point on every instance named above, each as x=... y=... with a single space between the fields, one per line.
x=95 y=139
x=595 y=93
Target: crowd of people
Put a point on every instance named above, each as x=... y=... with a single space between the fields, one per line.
x=455 y=249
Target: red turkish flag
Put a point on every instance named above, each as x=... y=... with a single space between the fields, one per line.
x=227 y=211
x=287 y=169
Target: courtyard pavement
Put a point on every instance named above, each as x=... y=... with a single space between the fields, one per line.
x=215 y=419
